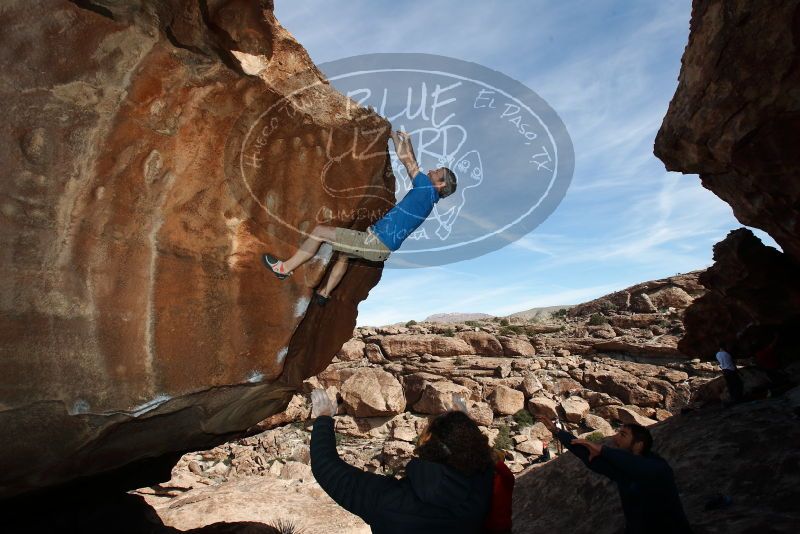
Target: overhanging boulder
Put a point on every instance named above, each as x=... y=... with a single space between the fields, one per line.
x=152 y=150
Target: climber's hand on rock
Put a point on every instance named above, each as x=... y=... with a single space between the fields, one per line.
x=594 y=448
x=548 y=423
x=405 y=152
x=321 y=404
x=402 y=143
x=396 y=139
x=402 y=136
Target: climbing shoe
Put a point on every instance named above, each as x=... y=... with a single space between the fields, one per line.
x=270 y=262
x=320 y=299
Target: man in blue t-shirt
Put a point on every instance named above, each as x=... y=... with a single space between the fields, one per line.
x=383 y=237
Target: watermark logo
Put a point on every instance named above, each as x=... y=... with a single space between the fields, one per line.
x=509 y=150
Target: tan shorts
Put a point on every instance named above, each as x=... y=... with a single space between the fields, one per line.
x=360 y=245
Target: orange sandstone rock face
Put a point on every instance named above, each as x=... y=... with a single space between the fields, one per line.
x=135 y=316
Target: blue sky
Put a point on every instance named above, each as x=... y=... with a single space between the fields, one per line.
x=609 y=69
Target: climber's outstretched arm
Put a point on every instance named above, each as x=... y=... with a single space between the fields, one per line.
x=405 y=152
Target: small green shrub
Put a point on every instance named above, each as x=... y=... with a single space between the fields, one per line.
x=597 y=319
x=523 y=418
x=512 y=329
x=596 y=437
x=342 y=439
x=608 y=306
x=503 y=322
x=412 y=322
x=560 y=313
x=472 y=323
x=448 y=333
x=663 y=323
x=459 y=361
x=503 y=440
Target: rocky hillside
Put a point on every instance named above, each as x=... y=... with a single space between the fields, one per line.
x=536 y=314
x=594 y=367
x=456 y=317
x=391 y=380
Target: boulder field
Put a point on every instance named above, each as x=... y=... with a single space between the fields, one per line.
x=386 y=402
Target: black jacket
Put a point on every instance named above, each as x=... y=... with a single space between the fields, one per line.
x=432 y=498
x=646 y=486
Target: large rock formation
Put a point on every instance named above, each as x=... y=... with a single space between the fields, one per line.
x=373 y=392
x=734 y=121
x=151 y=149
x=754 y=294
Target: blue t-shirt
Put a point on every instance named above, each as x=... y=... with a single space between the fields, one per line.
x=407 y=214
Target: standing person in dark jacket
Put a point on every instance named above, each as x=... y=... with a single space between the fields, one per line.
x=645 y=481
x=447 y=488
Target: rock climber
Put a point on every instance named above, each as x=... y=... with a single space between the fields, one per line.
x=383 y=237
x=447 y=487
x=646 y=485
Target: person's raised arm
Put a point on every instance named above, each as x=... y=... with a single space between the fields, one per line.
x=405 y=152
x=634 y=466
x=596 y=464
x=354 y=490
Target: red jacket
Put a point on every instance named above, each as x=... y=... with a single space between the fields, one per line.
x=499 y=519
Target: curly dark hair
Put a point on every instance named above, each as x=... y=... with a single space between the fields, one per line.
x=454 y=439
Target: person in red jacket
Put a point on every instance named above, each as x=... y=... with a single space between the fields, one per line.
x=499 y=519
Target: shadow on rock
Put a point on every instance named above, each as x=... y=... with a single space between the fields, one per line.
x=119 y=513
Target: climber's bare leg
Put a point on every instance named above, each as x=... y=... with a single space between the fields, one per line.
x=310 y=247
x=337 y=273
